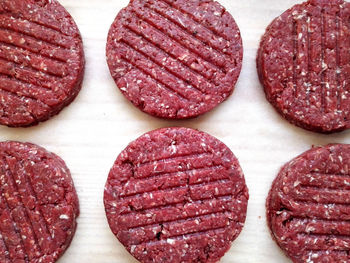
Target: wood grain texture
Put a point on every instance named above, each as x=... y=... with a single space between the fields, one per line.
x=94 y=129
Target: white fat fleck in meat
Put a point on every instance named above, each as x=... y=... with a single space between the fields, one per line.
x=216 y=190
x=309 y=260
x=181 y=22
x=119 y=70
x=170 y=241
x=309 y=229
x=173 y=149
x=64 y=216
x=183 y=57
x=296 y=183
x=324 y=65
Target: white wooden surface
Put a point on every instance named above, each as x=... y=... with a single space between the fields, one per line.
x=92 y=131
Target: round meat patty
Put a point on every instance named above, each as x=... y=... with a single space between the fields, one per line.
x=304 y=65
x=308 y=208
x=41 y=61
x=175 y=59
x=176 y=195
x=38 y=204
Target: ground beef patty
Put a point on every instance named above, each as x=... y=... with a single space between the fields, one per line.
x=308 y=208
x=304 y=65
x=176 y=195
x=41 y=61
x=38 y=204
x=175 y=58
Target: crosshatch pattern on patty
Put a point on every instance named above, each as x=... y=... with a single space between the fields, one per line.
x=41 y=61
x=175 y=59
x=308 y=208
x=178 y=195
x=304 y=65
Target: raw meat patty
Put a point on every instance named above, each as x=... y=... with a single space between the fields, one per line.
x=304 y=65
x=38 y=204
x=176 y=195
x=175 y=59
x=41 y=61
x=308 y=208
